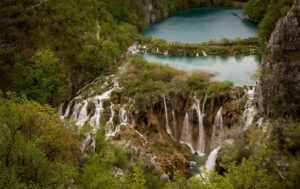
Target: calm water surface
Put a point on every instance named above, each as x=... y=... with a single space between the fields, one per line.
x=200 y=25
x=238 y=69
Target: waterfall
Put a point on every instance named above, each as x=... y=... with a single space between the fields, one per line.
x=133 y=49
x=197 y=54
x=186 y=134
x=201 y=139
x=187 y=129
x=76 y=110
x=204 y=53
x=210 y=164
x=110 y=129
x=82 y=117
x=166 y=52
x=86 y=141
x=250 y=110
x=167 y=119
x=95 y=120
x=60 y=111
x=217 y=127
x=174 y=123
x=123 y=116
x=67 y=110
x=79 y=110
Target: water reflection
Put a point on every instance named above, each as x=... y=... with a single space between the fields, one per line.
x=237 y=69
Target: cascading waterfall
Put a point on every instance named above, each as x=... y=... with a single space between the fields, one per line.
x=166 y=52
x=110 y=130
x=80 y=113
x=187 y=130
x=201 y=139
x=204 y=53
x=250 y=110
x=169 y=131
x=186 y=134
x=82 y=117
x=123 y=116
x=95 y=119
x=174 y=123
x=197 y=54
x=133 y=49
x=217 y=127
x=67 y=111
x=76 y=111
x=210 y=164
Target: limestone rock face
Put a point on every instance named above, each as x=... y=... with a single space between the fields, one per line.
x=286 y=36
x=155 y=13
x=280 y=80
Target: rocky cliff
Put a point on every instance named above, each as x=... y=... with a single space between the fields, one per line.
x=280 y=78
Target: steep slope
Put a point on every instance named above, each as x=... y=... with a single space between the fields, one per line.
x=280 y=77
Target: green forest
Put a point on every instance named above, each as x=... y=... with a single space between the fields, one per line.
x=50 y=49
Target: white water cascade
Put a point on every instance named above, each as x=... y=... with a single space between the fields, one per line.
x=204 y=53
x=250 y=110
x=169 y=131
x=187 y=129
x=82 y=117
x=197 y=54
x=210 y=164
x=217 y=127
x=174 y=123
x=110 y=129
x=201 y=139
x=123 y=116
x=80 y=108
x=186 y=134
x=133 y=49
x=166 y=52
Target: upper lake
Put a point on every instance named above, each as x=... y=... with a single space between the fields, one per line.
x=201 y=25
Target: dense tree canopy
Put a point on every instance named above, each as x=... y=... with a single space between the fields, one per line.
x=37 y=150
x=267 y=12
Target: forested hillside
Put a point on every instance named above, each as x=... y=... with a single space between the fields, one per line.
x=51 y=49
x=267 y=13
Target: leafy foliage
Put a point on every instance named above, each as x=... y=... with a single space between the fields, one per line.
x=149 y=82
x=267 y=12
x=37 y=150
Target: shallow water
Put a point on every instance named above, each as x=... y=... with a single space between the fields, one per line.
x=204 y=24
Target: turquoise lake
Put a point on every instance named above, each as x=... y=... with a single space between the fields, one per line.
x=238 y=69
x=200 y=25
